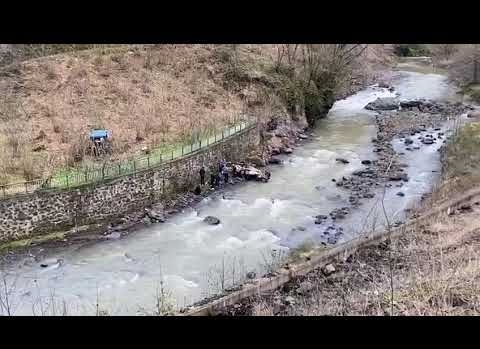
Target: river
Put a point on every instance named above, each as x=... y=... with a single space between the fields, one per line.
x=259 y=222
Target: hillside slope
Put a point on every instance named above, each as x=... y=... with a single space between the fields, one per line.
x=146 y=95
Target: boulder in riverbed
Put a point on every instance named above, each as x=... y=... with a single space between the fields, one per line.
x=474 y=114
x=427 y=141
x=275 y=161
x=387 y=103
x=332 y=240
x=342 y=160
x=256 y=160
x=411 y=104
x=399 y=177
x=156 y=217
x=320 y=219
x=113 y=235
x=50 y=262
x=211 y=220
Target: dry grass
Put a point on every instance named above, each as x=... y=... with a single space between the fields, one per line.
x=146 y=95
x=156 y=93
x=436 y=271
x=461 y=161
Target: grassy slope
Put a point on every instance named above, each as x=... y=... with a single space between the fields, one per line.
x=147 y=95
x=159 y=94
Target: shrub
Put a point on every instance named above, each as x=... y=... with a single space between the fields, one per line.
x=411 y=50
x=77 y=151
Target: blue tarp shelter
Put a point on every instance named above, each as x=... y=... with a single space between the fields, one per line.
x=98 y=134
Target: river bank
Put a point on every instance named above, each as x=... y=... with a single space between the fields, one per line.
x=431 y=269
x=254 y=218
x=281 y=138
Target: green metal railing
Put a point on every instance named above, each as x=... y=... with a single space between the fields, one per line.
x=113 y=170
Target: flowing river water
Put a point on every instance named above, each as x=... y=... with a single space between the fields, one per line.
x=259 y=222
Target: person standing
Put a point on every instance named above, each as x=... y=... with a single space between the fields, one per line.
x=202 y=176
x=212 y=180
x=225 y=175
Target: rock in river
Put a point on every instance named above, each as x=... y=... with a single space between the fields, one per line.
x=342 y=160
x=320 y=219
x=113 y=236
x=387 y=103
x=399 y=177
x=474 y=114
x=155 y=216
x=274 y=161
x=427 y=141
x=211 y=220
x=411 y=104
x=51 y=262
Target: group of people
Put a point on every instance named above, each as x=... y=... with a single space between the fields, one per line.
x=216 y=176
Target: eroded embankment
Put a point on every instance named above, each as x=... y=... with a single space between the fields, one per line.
x=423 y=125
x=241 y=302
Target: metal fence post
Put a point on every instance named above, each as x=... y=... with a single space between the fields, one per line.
x=172 y=154
x=134 y=166
x=182 y=149
x=148 y=161
x=119 y=170
x=3 y=190
x=26 y=187
x=161 y=158
x=67 y=179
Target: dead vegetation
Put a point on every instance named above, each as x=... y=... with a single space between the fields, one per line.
x=433 y=269
x=153 y=95
x=460 y=159
x=144 y=95
x=462 y=62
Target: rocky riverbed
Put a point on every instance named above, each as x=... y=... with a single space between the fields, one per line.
x=250 y=221
x=417 y=124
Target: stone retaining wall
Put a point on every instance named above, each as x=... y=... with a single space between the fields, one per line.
x=44 y=212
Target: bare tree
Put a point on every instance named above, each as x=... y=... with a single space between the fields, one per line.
x=442 y=51
x=7 y=292
x=465 y=68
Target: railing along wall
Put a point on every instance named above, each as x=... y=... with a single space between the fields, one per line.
x=114 y=170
